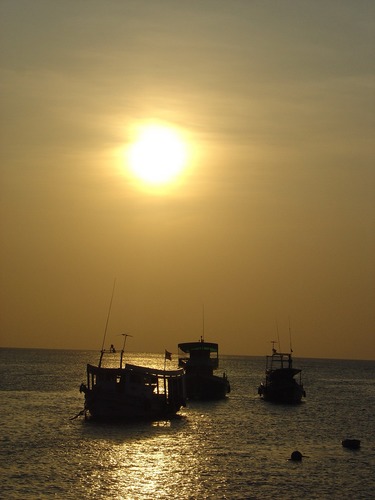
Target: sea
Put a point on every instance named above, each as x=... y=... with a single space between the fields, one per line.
x=237 y=448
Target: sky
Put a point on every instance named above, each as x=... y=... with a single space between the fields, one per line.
x=269 y=228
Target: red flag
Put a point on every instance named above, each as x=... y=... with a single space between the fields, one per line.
x=168 y=355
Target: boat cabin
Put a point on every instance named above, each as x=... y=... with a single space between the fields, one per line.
x=198 y=357
x=278 y=360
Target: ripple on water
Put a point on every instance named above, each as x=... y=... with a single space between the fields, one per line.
x=237 y=448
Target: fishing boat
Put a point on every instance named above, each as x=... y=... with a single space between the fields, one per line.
x=132 y=392
x=280 y=385
x=199 y=360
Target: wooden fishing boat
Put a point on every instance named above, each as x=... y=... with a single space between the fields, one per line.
x=199 y=360
x=280 y=384
x=132 y=392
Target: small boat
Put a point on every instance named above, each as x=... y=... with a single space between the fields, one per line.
x=132 y=392
x=199 y=360
x=280 y=385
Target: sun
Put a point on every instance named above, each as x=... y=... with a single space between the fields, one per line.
x=158 y=154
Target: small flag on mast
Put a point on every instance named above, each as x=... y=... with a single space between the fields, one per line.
x=168 y=355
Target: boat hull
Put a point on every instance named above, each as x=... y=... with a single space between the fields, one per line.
x=200 y=387
x=107 y=407
x=286 y=393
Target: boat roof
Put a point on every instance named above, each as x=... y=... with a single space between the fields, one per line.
x=154 y=371
x=135 y=368
x=276 y=354
x=198 y=346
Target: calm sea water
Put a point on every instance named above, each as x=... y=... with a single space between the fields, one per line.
x=236 y=449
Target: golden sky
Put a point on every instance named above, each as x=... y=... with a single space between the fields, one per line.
x=273 y=217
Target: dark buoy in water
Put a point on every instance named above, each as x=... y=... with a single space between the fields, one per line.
x=296 y=456
x=352 y=444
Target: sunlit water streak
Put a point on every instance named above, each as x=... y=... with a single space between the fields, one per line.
x=237 y=448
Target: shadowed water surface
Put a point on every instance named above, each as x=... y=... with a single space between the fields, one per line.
x=236 y=448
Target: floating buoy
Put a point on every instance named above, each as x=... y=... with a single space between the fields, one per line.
x=352 y=444
x=296 y=456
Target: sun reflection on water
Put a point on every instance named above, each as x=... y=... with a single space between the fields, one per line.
x=160 y=460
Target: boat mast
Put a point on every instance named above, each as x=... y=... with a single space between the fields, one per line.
x=106 y=324
x=278 y=337
x=290 y=337
x=202 y=336
x=125 y=335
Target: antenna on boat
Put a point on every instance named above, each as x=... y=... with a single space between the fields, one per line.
x=125 y=335
x=290 y=336
x=106 y=324
x=202 y=336
x=278 y=337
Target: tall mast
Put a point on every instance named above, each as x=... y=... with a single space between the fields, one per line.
x=278 y=337
x=106 y=324
x=290 y=337
x=202 y=337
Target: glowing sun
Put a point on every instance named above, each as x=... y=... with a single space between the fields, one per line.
x=158 y=154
